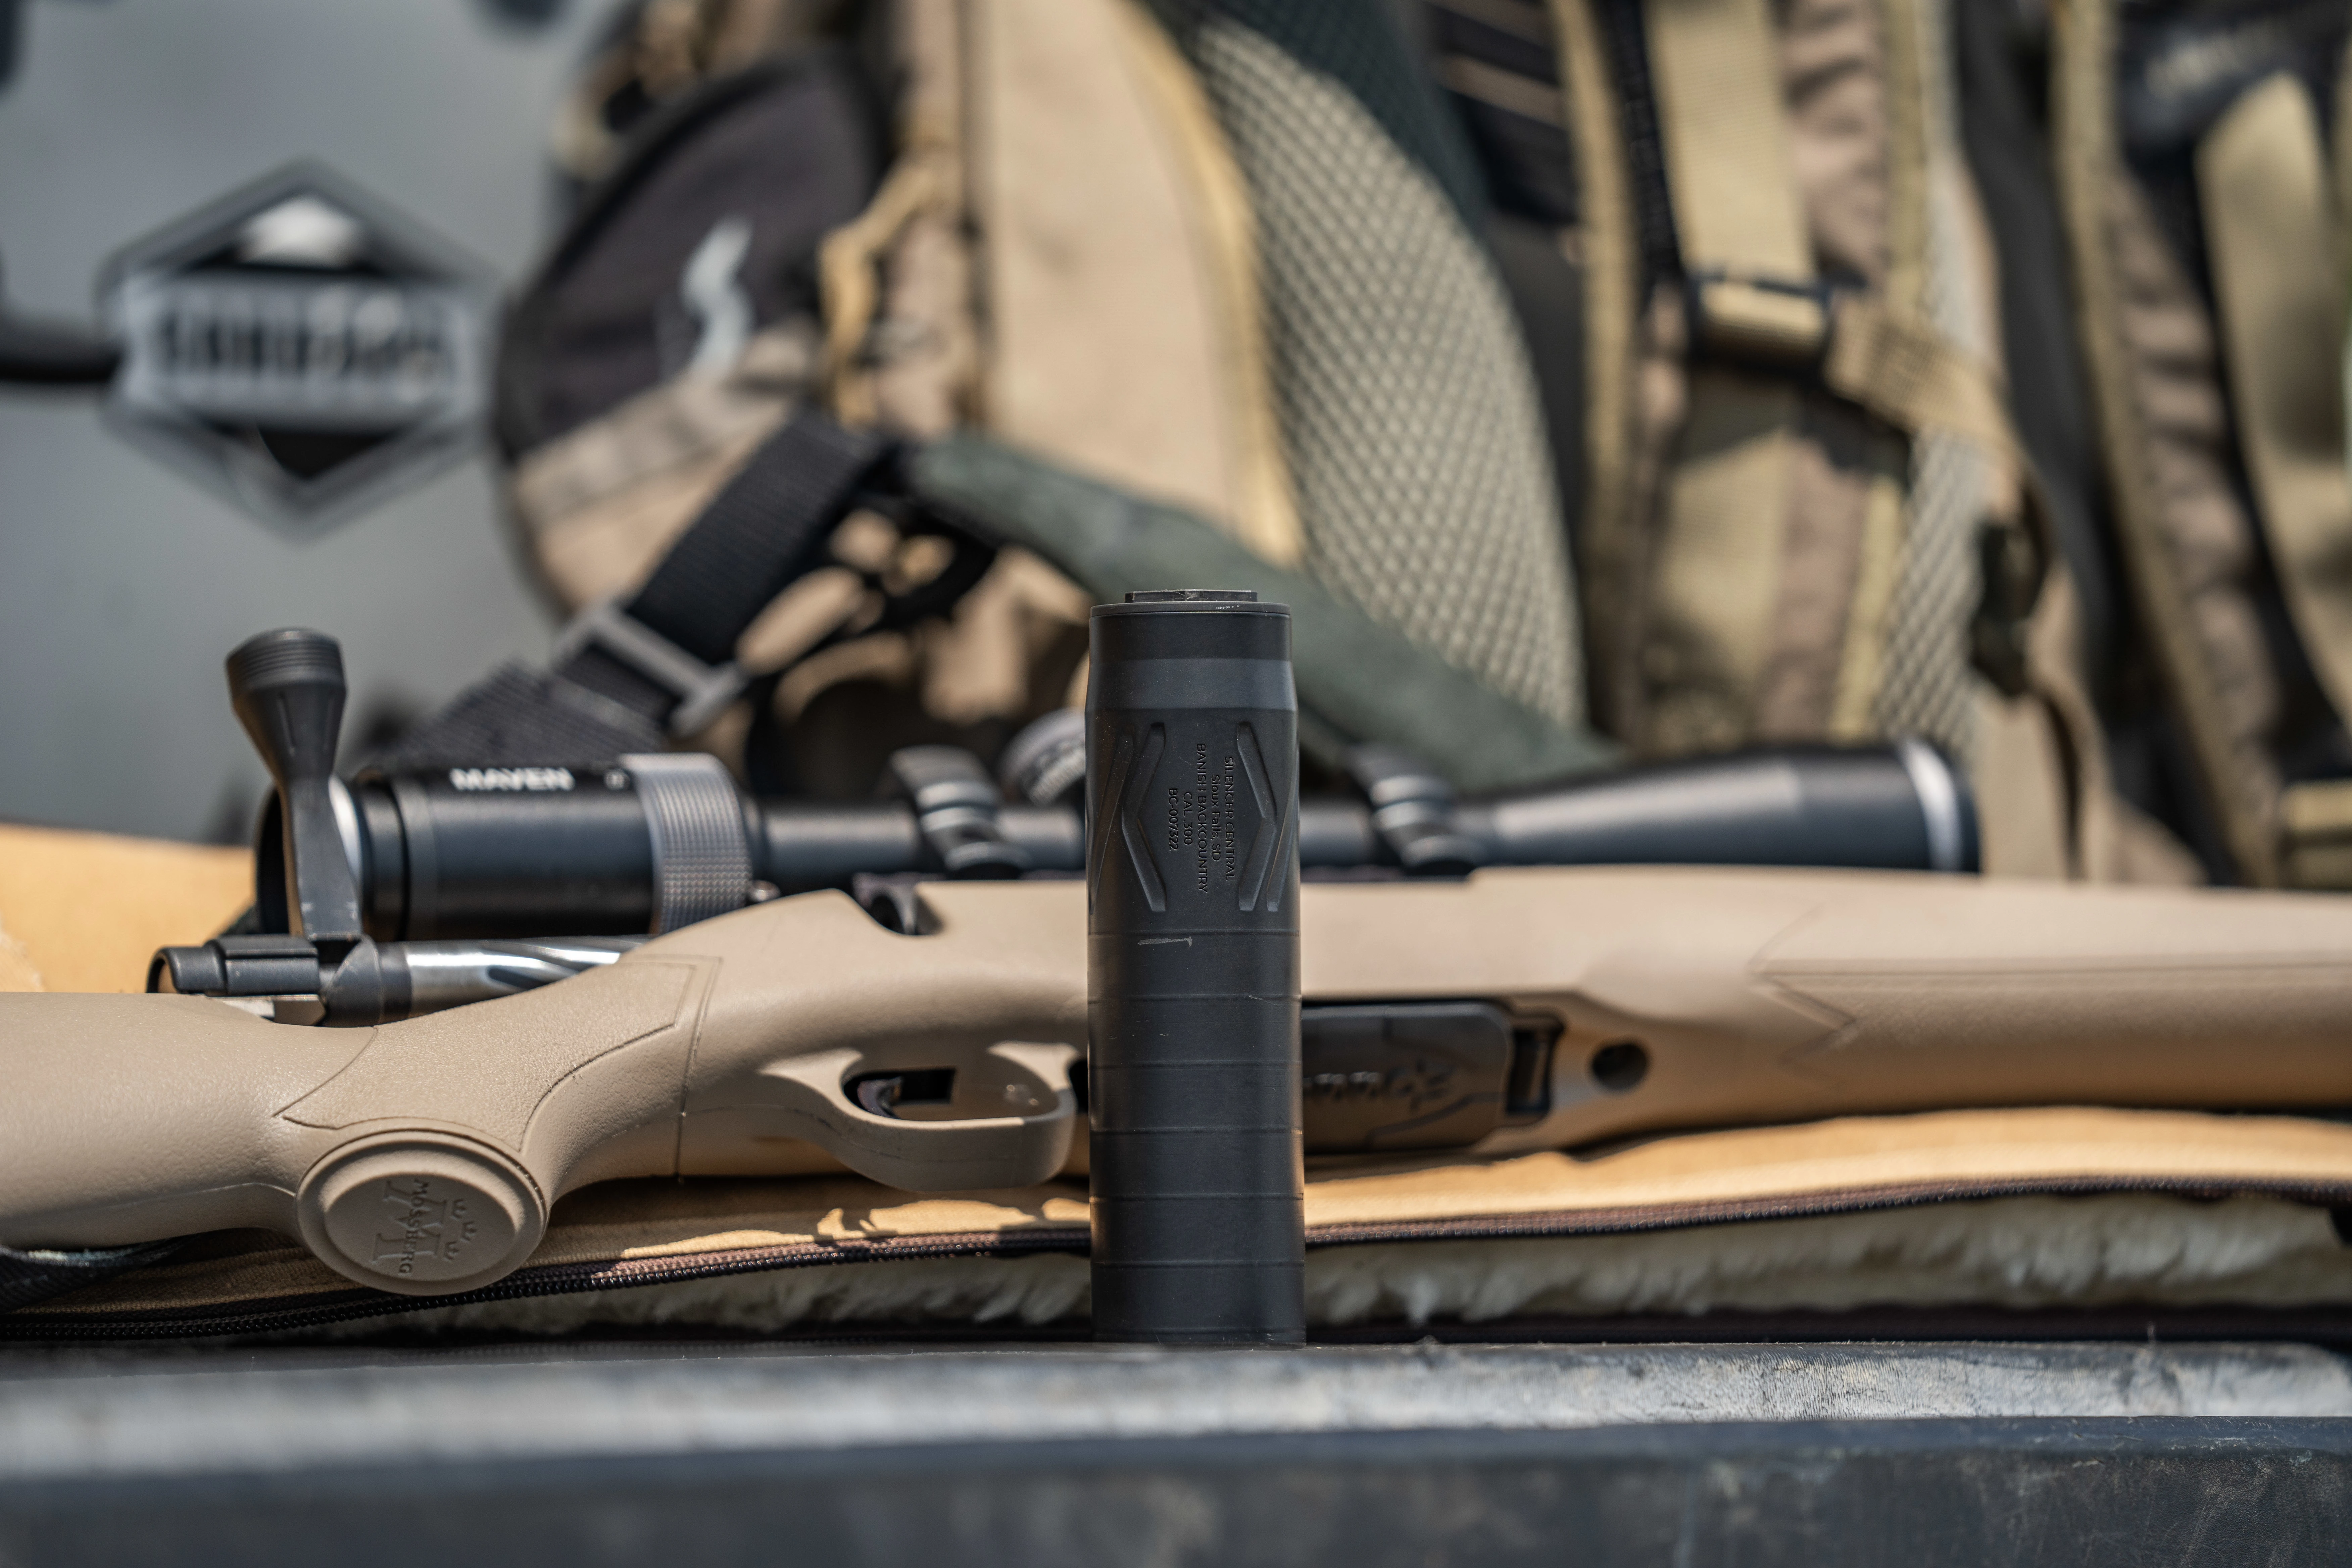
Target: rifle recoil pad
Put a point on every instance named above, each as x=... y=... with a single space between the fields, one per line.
x=1192 y=977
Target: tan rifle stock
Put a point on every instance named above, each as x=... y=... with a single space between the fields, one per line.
x=422 y=1157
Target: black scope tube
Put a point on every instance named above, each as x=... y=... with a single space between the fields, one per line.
x=514 y=853
x=1899 y=808
x=1196 y=1156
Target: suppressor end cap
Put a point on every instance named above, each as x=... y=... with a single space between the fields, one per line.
x=1193 y=596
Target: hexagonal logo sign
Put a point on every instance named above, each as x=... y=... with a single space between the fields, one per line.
x=301 y=347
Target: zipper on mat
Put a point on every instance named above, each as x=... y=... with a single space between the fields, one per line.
x=260 y=1317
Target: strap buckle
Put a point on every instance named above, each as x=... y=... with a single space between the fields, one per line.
x=1764 y=323
x=703 y=691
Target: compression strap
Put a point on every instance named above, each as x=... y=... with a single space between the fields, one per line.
x=628 y=675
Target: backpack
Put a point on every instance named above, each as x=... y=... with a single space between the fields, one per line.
x=1641 y=361
x=1108 y=224
x=1806 y=510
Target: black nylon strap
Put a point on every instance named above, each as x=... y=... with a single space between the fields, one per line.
x=764 y=531
x=520 y=717
x=760 y=532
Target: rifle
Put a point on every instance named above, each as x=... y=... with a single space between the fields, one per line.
x=1513 y=1010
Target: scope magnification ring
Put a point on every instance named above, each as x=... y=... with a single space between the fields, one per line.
x=702 y=856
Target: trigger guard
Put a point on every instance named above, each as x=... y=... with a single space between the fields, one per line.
x=935 y=1156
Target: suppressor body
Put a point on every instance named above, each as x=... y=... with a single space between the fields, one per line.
x=1192 y=970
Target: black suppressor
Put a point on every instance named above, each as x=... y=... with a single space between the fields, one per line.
x=644 y=844
x=1192 y=1060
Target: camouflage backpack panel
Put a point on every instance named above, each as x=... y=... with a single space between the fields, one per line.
x=1102 y=236
x=2200 y=157
x=1797 y=464
x=1783 y=567
x=676 y=327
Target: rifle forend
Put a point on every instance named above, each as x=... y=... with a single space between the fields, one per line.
x=422 y=1157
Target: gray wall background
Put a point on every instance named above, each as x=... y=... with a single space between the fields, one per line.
x=122 y=584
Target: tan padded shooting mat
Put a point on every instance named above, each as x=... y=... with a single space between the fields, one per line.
x=642 y=1233
x=84 y=911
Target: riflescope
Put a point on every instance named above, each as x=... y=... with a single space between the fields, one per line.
x=646 y=844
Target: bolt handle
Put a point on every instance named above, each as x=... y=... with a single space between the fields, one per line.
x=288 y=688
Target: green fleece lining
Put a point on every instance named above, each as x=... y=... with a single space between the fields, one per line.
x=1358 y=680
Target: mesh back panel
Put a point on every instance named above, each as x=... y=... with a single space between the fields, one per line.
x=1410 y=413
x=1927 y=687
